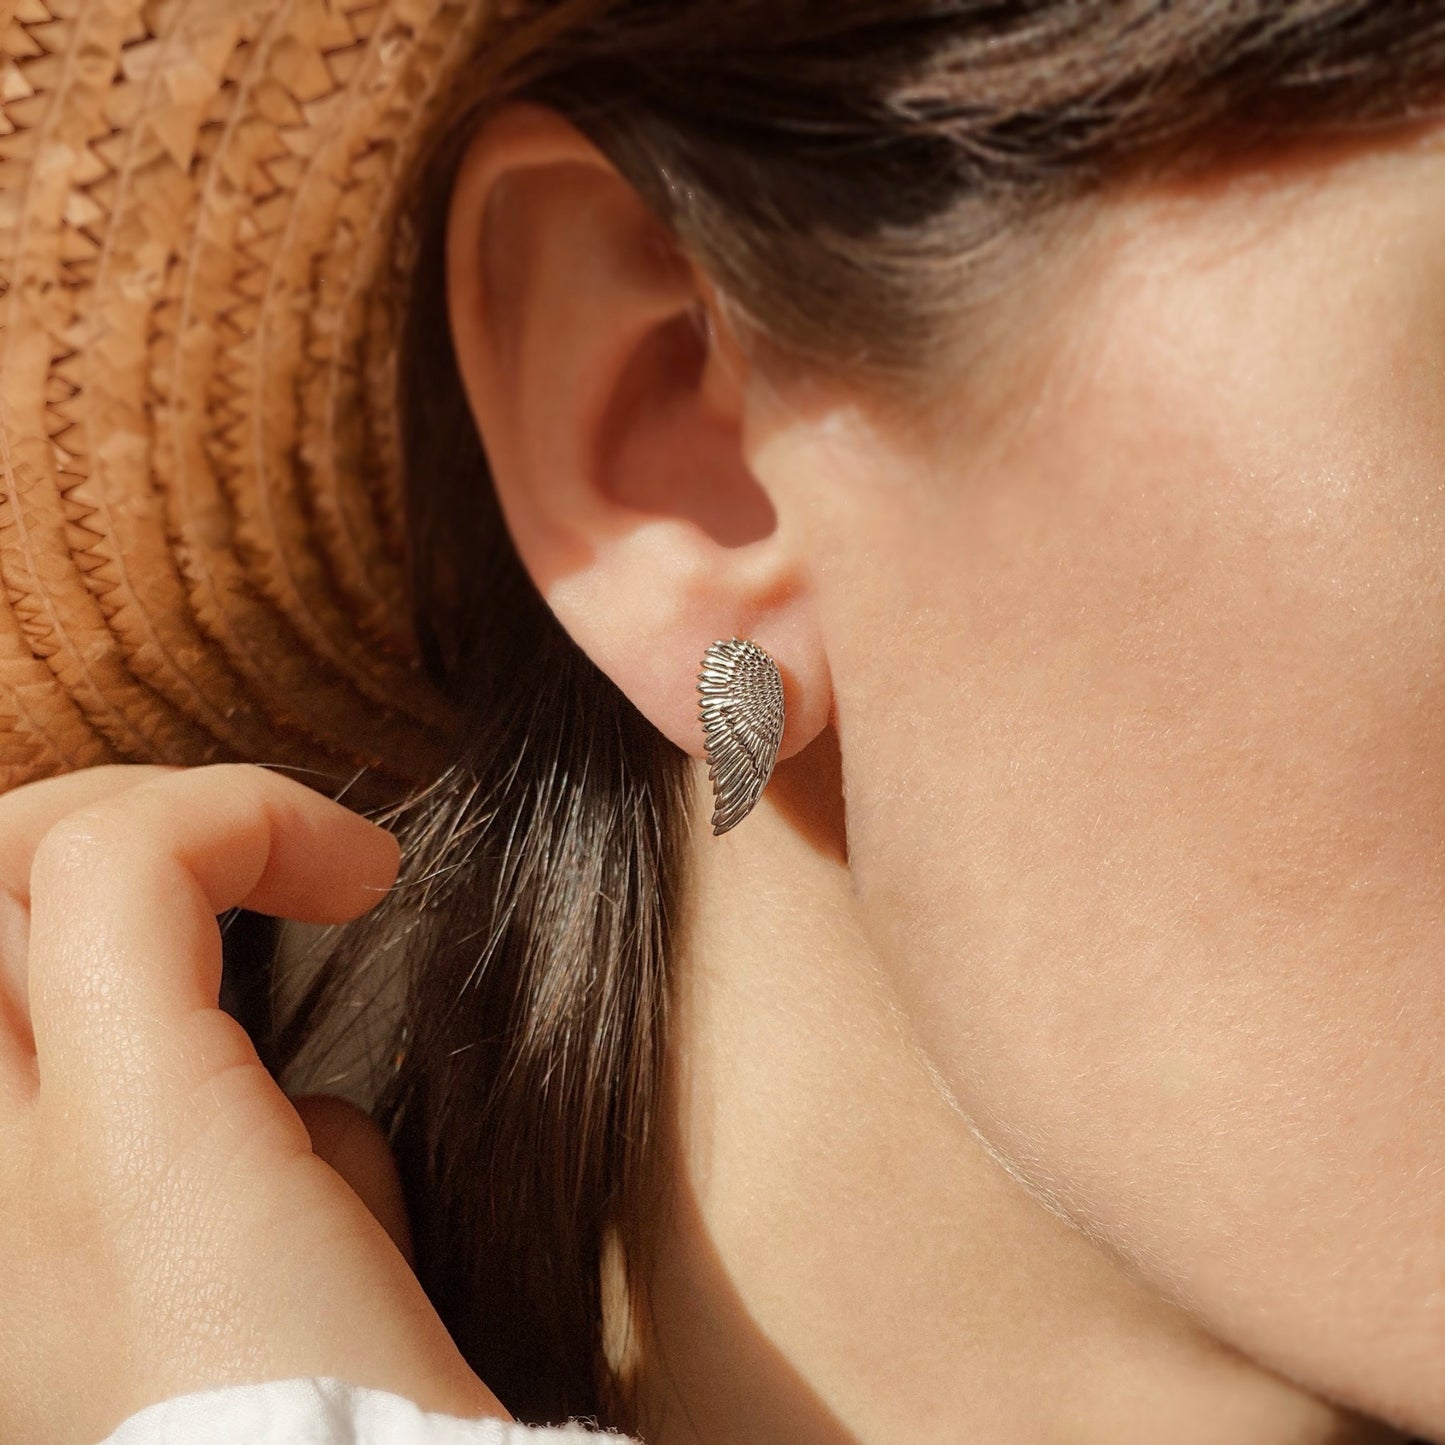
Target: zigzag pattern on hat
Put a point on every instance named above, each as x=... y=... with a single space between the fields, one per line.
x=51 y=720
x=200 y=518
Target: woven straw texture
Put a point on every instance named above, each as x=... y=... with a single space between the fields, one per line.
x=201 y=533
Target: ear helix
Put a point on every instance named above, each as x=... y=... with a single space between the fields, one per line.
x=742 y=722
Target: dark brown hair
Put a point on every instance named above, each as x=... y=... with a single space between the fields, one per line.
x=844 y=170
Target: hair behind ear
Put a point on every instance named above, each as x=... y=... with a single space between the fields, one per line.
x=531 y=925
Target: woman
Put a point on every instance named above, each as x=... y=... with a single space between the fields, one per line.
x=1053 y=393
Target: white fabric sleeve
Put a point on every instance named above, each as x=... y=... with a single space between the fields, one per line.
x=322 y=1412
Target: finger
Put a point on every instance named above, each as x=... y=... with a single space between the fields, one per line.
x=124 y=945
x=353 y=1144
x=27 y=813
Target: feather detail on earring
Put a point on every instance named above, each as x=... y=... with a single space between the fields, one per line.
x=742 y=719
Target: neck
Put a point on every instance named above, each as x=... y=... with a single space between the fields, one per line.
x=841 y=1262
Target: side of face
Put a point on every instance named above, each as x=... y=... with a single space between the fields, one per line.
x=1137 y=644
x=1134 y=641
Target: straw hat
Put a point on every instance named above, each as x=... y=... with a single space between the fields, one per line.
x=201 y=525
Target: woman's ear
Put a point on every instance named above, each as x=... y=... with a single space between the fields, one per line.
x=612 y=410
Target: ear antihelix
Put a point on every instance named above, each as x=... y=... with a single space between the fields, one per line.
x=742 y=721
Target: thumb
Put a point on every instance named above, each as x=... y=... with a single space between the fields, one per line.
x=352 y=1143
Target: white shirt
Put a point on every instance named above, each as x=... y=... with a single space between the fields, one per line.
x=322 y=1412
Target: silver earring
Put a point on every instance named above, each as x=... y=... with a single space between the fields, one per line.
x=742 y=724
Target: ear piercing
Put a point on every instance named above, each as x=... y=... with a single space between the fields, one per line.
x=742 y=723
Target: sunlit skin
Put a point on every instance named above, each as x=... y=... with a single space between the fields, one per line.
x=169 y=1221
x=1086 y=1082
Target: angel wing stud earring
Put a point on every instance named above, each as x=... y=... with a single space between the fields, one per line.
x=742 y=722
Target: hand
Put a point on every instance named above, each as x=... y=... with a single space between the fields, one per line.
x=164 y=1223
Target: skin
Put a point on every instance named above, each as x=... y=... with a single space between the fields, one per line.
x=168 y=1217
x=1086 y=1083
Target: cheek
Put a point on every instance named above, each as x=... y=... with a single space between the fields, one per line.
x=1146 y=795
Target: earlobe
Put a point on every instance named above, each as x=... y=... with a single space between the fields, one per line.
x=613 y=420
